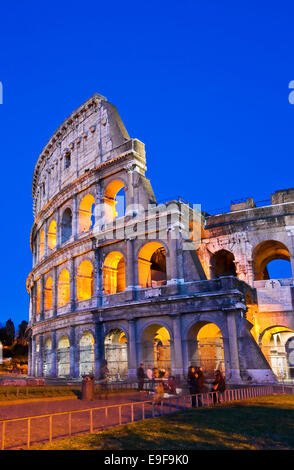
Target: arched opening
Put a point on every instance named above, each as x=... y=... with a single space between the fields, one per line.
x=114 y=201
x=152 y=265
x=274 y=343
x=86 y=353
x=86 y=213
x=66 y=225
x=205 y=348
x=63 y=288
x=116 y=354
x=223 y=264
x=63 y=358
x=263 y=256
x=156 y=348
x=114 y=276
x=290 y=356
x=42 y=244
x=38 y=299
x=48 y=294
x=52 y=235
x=85 y=281
x=47 y=363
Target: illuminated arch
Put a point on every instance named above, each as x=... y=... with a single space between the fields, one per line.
x=86 y=347
x=111 y=200
x=66 y=225
x=273 y=342
x=52 y=235
x=42 y=244
x=48 y=294
x=264 y=253
x=205 y=347
x=38 y=300
x=86 y=213
x=152 y=265
x=63 y=288
x=116 y=353
x=63 y=358
x=155 y=344
x=85 y=281
x=114 y=273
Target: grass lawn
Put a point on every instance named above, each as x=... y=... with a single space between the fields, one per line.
x=264 y=423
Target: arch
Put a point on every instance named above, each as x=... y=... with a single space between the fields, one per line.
x=48 y=293
x=223 y=264
x=38 y=299
x=114 y=273
x=85 y=281
x=66 y=225
x=86 y=350
x=86 y=213
x=63 y=288
x=273 y=342
x=152 y=265
x=264 y=253
x=63 y=358
x=47 y=364
x=116 y=353
x=42 y=244
x=52 y=235
x=205 y=347
x=155 y=344
x=111 y=200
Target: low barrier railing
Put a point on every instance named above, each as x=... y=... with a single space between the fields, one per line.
x=23 y=432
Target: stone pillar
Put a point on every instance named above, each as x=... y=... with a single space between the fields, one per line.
x=185 y=356
x=42 y=299
x=75 y=218
x=55 y=291
x=73 y=353
x=58 y=228
x=33 y=365
x=171 y=259
x=131 y=265
x=73 y=286
x=99 y=208
x=54 y=355
x=233 y=347
x=99 y=349
x=132 y=352
x=46 y=239
x=98 y=279
x=41 y=356
x=177 y=366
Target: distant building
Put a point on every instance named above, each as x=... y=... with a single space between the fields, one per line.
x=114 y=280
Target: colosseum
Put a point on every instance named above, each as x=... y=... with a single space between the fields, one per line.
x=118 y=276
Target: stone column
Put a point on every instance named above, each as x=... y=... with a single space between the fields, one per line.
x=99 y=208
x=98 y=279
x=233 y=347
x=42 y=299
x=132 y=353
x=55 y=291
x=54 y=355
x=75 y=218
x=73 y=353
x=46 y=239
x=99 y=349
x=130 y=266
x=58 y=228
x=73 y=286
x=33 y=365
x=41 y=356
x=177 y=366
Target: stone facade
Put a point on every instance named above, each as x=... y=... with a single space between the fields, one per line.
x=125 y=288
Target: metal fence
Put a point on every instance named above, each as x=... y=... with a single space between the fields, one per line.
x=25 y=432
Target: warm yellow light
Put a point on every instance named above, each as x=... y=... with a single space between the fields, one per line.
x=114 y=273
x=86 y=213
x=48 y=294
x=42 y=244
x=52 y=235
x=63 y=288
x=85 y=281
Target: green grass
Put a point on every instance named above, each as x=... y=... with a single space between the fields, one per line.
x=265 y=423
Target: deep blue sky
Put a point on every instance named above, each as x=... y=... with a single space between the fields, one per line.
x=203 y=84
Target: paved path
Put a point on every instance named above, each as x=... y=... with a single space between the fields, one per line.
x=16 y=433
